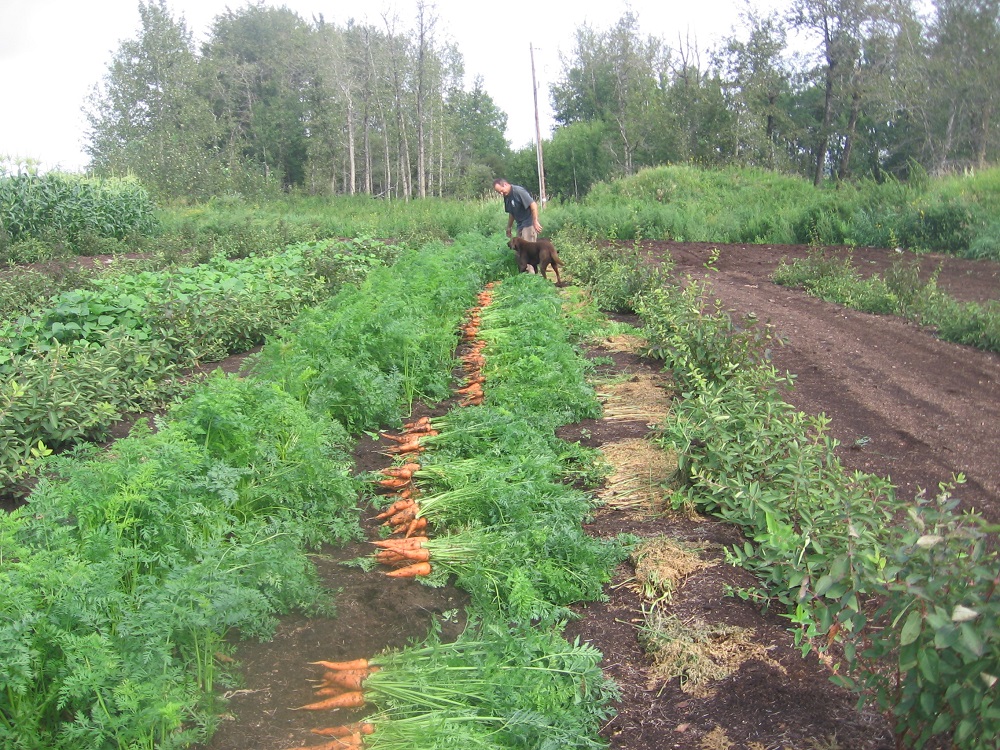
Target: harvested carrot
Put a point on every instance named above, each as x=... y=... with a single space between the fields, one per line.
x=352 y=699
x=343 y=680
x=348 y=740
x=403 y=516
x=389 y=556
x=395 y=438
x=415 y=555
x=413 y=541
x=345 y=730
x=421 y=430
x=411 y=571
x=417 y=524
x=342 y=665
x=421 y=421
x=330 y=676
x=396 y=507
x=405 y=471
x=413 y=447
x=393 y=483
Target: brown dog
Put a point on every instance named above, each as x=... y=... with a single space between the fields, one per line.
x=540 y=255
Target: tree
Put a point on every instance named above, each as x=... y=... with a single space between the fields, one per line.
x=578 y=157
x=479 y=149
x=150 y=117
x=757 y=81
x=263 y=71
x=964 y=67
x=612 y=77
x=856 y=39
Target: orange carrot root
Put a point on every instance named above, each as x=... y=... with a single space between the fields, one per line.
x=344 y=680
x=415 y=555
x=396 y=507
x=352 y=699
x=389 y=556
x=409 y=543
x=393 y=483
x=403 y=516
x=332 y=675
x=394 y=438
x=400 y=472
x=350 y=740
x=407 y=448
x=401 y=547
x=411 y=571
x=345 y=730
x=342 y=665
x=417 y=524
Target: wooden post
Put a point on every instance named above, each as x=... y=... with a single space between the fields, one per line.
x=538 y=136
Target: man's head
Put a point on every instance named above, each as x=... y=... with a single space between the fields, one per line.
x=501 y=186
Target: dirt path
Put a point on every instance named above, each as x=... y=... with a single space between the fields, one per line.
x=902 y=403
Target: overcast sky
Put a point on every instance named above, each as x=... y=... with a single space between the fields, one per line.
x=52 y=52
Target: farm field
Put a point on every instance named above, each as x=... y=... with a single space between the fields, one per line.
x=902 y=404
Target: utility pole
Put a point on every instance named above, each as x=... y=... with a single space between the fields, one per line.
x=538 y=135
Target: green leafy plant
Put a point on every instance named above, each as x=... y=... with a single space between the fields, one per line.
x=939 y=624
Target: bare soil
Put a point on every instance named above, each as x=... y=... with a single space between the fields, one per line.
x=927 y=410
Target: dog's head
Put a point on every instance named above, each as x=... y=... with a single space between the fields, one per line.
x=514 y=243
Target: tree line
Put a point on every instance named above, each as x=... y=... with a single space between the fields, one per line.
x=274 y=102
x=828 y=89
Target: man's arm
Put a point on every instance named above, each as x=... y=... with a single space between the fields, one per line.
x=534 y=216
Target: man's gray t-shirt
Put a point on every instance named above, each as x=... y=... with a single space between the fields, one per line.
x=518 y=204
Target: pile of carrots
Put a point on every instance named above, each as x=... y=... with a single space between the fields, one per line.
x=473 y=360
x=413 y=439
x=403 y=515
x=341 y=687
x=409 y=553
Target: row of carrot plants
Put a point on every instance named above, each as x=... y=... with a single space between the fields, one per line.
x=904 y=590
x=78 y=361
x=480 y=496
x=123 y=574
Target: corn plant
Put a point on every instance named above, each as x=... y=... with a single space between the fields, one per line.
x=55 y=204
